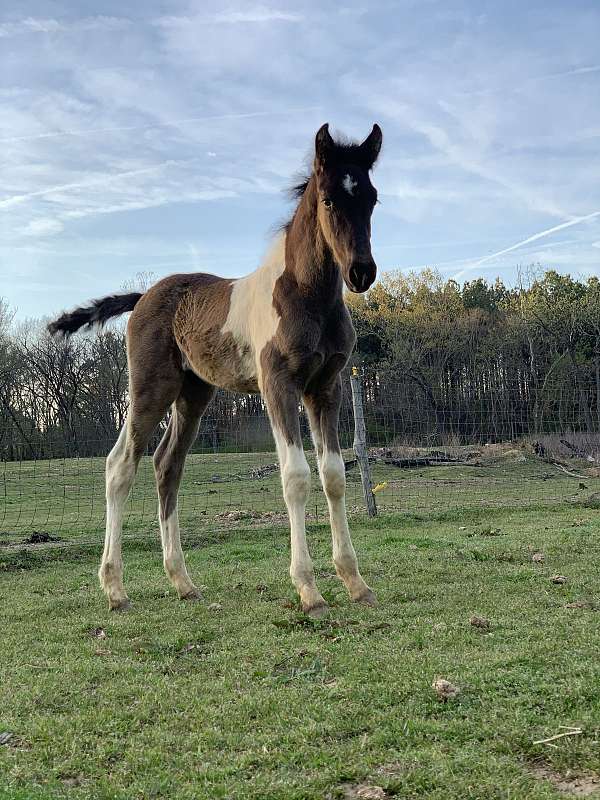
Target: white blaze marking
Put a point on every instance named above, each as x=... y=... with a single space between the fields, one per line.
x=349 y=184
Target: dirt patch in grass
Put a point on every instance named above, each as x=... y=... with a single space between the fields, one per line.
x=41 y=537
x=392 y=769
x=584 y=785
x=36 y=537
x=585 y=605
x=359 y=791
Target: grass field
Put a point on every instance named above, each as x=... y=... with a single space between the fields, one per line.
x=249 y=699
x=65 y=497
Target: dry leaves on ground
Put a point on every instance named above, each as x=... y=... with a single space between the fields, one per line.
x=445 y=690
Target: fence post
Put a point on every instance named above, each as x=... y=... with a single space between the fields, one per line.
x=360 y=442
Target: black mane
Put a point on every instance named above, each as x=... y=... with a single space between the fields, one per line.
x=297 y=190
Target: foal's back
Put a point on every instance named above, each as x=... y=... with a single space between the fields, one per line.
x=214 y=327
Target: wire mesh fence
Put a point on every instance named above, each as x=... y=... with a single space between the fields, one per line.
x=424 y=457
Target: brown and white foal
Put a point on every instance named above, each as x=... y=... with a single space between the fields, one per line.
x=283 y=331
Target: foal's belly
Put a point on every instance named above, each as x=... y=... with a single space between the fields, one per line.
x=208 y=349
x=224 y=363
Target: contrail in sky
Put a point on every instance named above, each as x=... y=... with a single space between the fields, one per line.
x=17 y=199
x=93 y=131
x=534 y=238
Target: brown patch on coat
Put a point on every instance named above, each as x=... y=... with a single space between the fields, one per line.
x=214 y=356
x=322 y=401
x=169 y=458
x=155 y=364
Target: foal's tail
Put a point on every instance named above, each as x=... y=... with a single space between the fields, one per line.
x=97 y=314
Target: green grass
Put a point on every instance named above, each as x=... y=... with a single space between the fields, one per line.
x=253 y=700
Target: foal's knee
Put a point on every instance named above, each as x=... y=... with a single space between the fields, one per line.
x=296 y=479
x=333 y=474
x=119 y=478
x=121 y=464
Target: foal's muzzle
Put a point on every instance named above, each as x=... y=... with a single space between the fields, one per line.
x=361 y=275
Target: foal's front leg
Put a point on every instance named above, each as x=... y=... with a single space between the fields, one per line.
x=323 y=408
x=282 y=404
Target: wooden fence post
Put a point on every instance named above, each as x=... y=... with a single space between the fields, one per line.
x=360 y=442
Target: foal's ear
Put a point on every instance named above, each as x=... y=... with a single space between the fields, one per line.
x=324 y=145
x=369 y=149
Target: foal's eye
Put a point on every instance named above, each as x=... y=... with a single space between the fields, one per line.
x=327 y=203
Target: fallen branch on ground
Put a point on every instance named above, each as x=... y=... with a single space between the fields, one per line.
x=569 y=732
x=568 y=472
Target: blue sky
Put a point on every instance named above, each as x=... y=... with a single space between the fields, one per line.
x=159 y=136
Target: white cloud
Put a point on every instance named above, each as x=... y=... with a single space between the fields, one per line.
x=149 y=200
x=49 y=25
x=258 y=14
x=465 y=149
x=42 y=227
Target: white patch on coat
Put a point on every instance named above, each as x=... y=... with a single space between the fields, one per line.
x=349 y=184
x=295 y=480
x=120 y=474
x=173 y=558
x=333 y=478
x=252 y=318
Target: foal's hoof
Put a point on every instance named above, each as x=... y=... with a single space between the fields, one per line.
x=367 y=599
x=316 y=612
x=120 y=605
x=193 y=596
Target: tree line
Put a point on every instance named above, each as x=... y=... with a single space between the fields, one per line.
x=441 y=363
x=481 y=361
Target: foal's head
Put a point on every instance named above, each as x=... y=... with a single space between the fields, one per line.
x=346 y=199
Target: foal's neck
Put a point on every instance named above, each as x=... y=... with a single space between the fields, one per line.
x=308 y=258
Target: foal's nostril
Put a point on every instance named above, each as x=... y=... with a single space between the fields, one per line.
x=360 y=277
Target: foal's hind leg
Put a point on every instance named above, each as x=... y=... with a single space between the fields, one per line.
x=155 y=381
x=121 y=466
x=323 y=407
x=168 y=465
